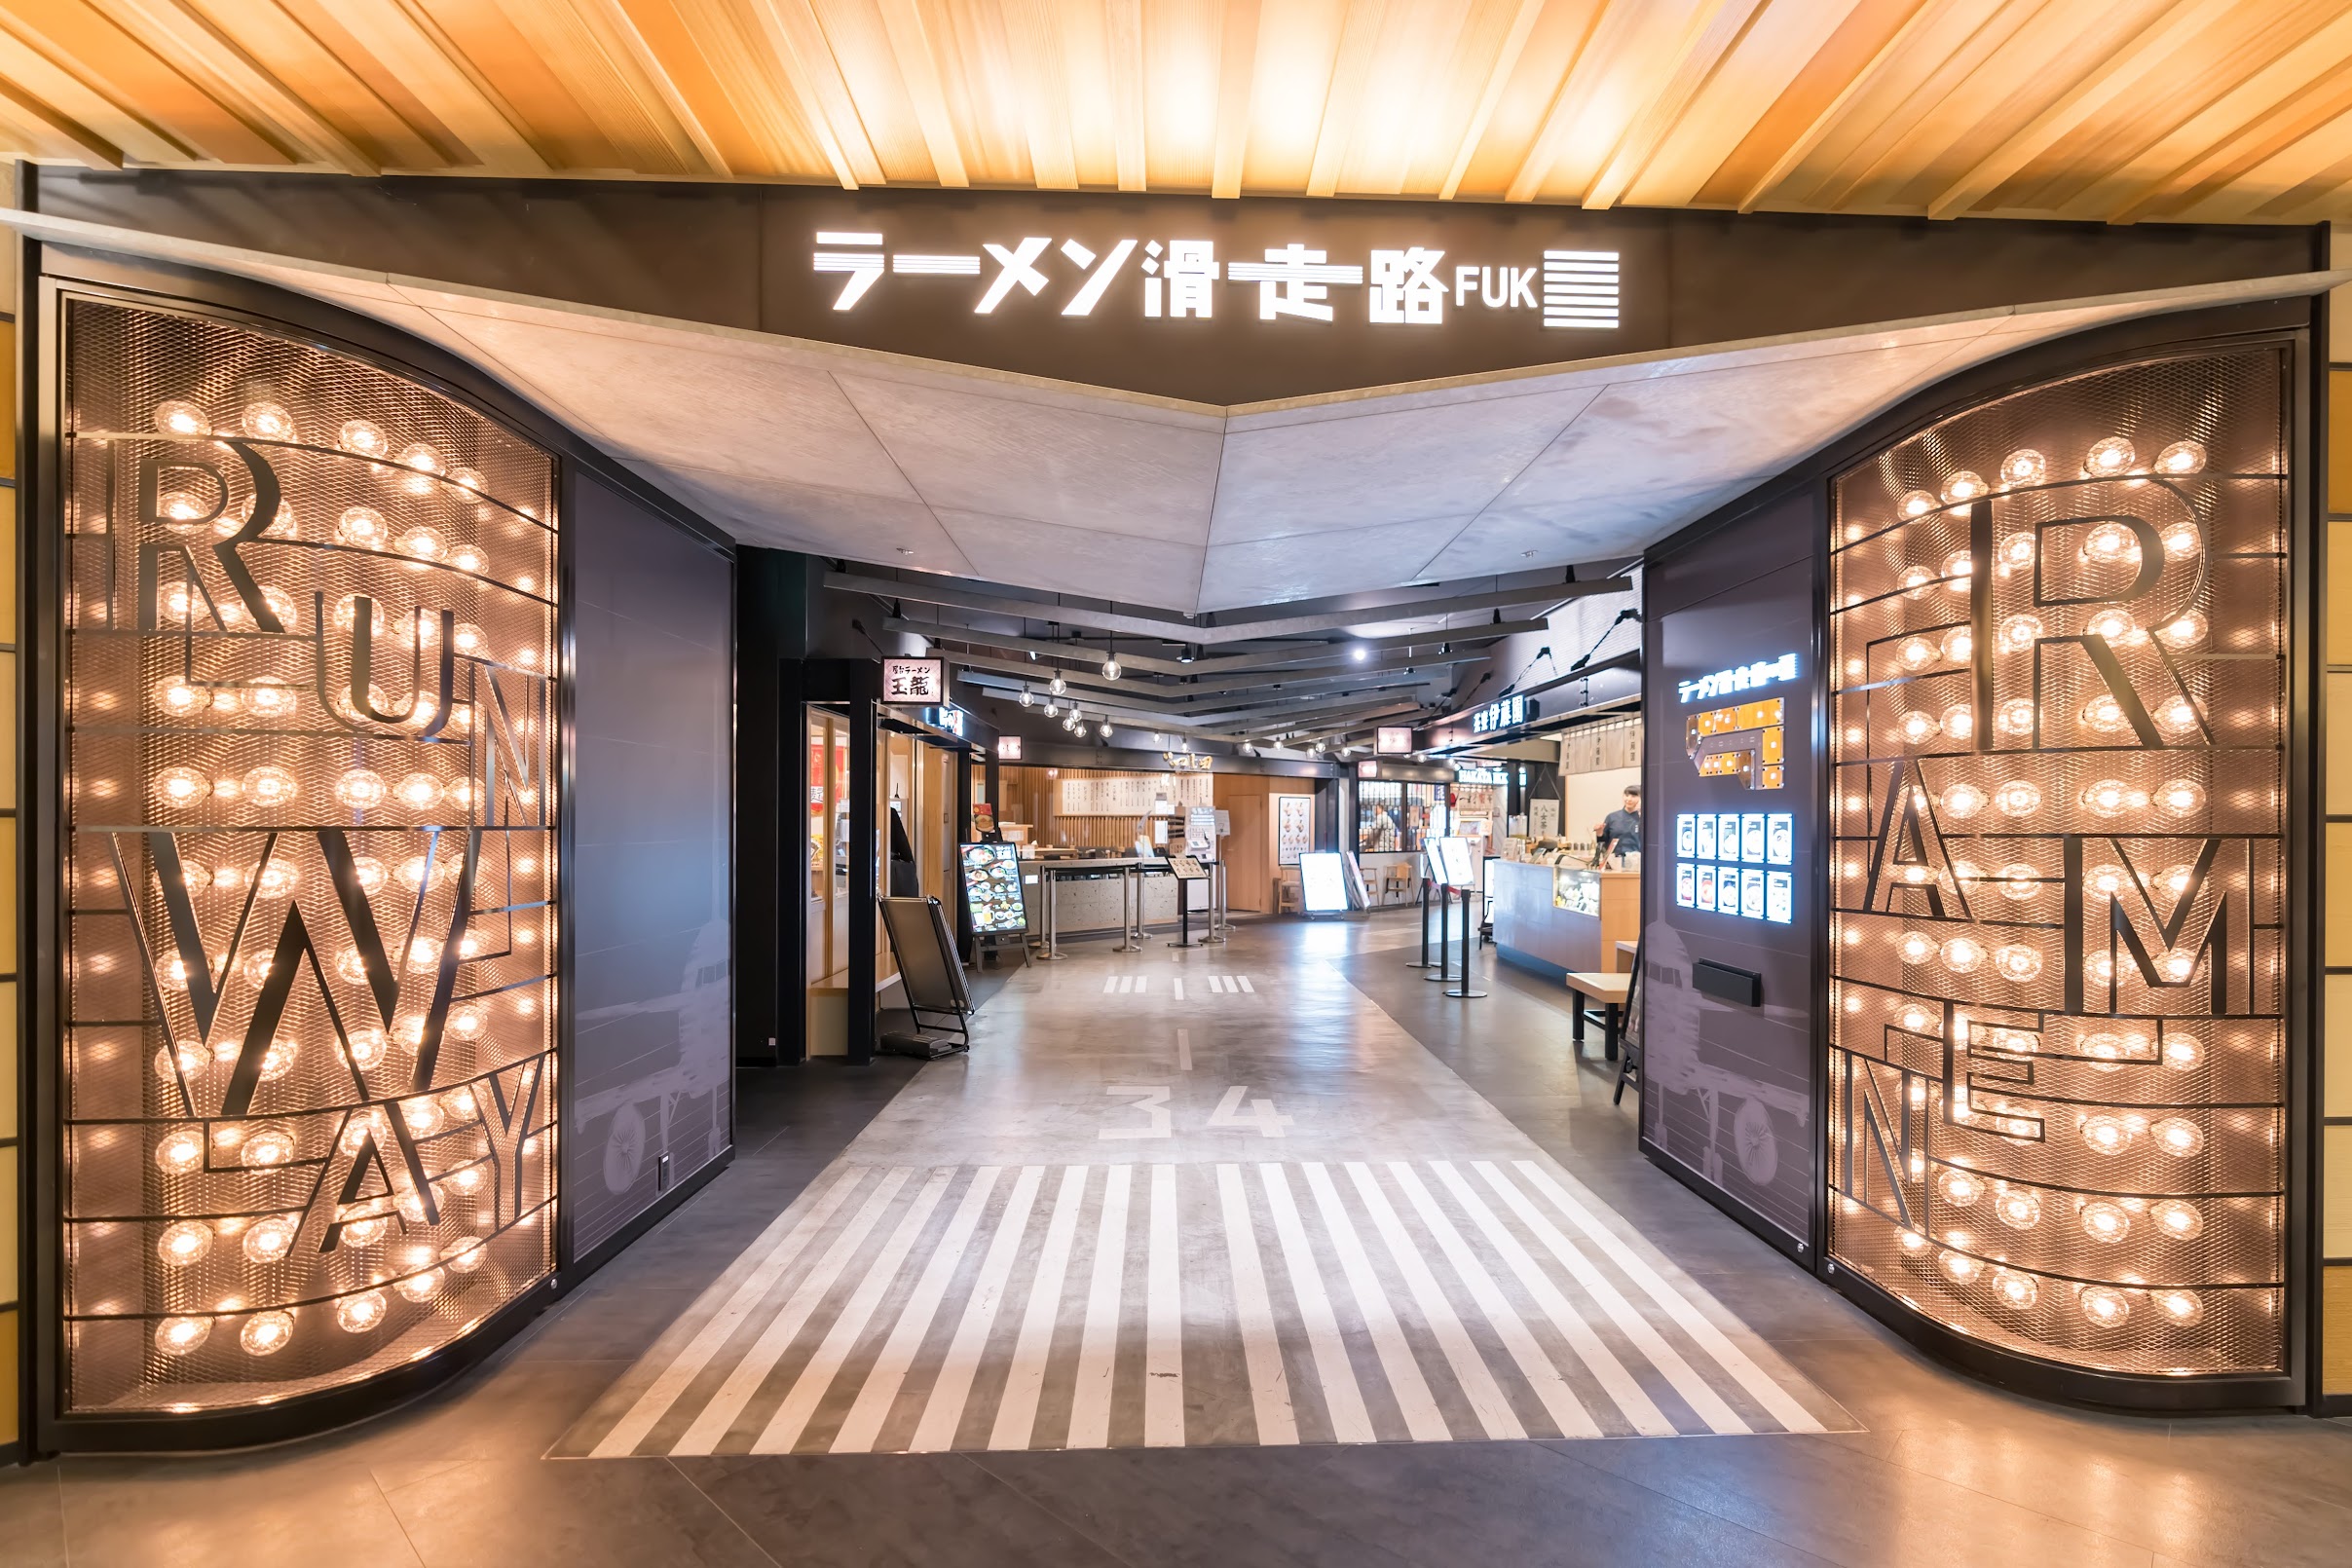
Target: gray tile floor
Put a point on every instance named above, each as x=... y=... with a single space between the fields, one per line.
x=1943 y=1470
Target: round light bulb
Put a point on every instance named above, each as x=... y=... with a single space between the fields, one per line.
x=2111 y=456
x=2181 y=457
x=1027 y=699
x=363 y=437
x=2104 y=1221
x=2018 y=550
x=184 y=1243
x=185 y=1059
x=423 y=543
x=2018 y=1209
x=419 y=1287
x=2180 y=1308
x=1964 y=801
x=2176 y=713
x=1057 y=686
x=358 y=1313
x=181 y=785
x=2181 y=796
x=2016 y=963
x=270 y=785
x=269 y=1240
x=2024 y=466
x=2182 y=540
x=365 y=1232
x=2107 y=796
x=2018 y=798
x=470 y=478
x=1104 y=729
x=1961 y=1188
x=1959 y=1267
x=467 y=639
x=272 y=1145
x=422 y=1114
x=424 y=459
x=1111 y=668
x=1915 y=948
x=278 y=878
x=265 y=1333
x=1966 y=485
x=1960 y=721
x=2185 y=630
x=182 y=1336
x=179 y=417
x=2015 y=1290
x=1916 y=581
x=1916 y=728
x=464 y=1255
x=1916 y=503
x=2111 y=545
x=1963 y=955
x=2105 y=1135
x=420 y=792
x=360 y=789
x=2019 y=633
x=2115 y=625
x=363 y=528
x=180 y=1151
x=266 y=421
x=2178 y=1137
x=2104 y=714
x=2182 y=1052
x=2015 y=717
x=2178 y=1218
x=270 y=698
x=2104 y=1306
x=1916 y=653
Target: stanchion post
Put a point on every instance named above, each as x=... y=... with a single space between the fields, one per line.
x=1463 y=989
x=1423 y=961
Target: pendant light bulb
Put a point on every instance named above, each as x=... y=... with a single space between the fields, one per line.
x=1027 y=698
x=1057 y=686
x=1111 y=668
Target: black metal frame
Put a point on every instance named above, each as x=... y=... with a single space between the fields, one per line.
x=2292 y=324
x=43 y=289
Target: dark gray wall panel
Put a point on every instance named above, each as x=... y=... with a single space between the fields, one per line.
x=652 y=813
x=1728 y=1089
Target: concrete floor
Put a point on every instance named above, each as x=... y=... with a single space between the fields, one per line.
x=1933 y=1468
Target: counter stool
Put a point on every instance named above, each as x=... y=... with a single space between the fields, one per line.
x=1588 y=988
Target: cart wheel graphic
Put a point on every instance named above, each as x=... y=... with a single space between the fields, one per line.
x=1753 y=1138
x=624 y=1149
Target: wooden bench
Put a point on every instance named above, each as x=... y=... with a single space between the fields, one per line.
x=1588 y=987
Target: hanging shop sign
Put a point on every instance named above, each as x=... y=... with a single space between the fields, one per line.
x=919 y=683
x=1481 y=773
x=1392 y=740
x=948 y=718
x=1503 y=713
x=1008 y=747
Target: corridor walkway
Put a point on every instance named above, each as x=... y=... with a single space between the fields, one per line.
x=1168 y=1201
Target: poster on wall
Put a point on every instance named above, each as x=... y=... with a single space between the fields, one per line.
x=1544 y=819
x=1293 y=827
x=991 y=888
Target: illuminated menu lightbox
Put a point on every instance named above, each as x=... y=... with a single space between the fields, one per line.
x=1737 y=863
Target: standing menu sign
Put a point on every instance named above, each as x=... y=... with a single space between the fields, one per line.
x=991 y=888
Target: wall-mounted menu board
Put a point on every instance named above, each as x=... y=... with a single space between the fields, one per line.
x=1133 y=795
x=991 y=888
x=1293 y=827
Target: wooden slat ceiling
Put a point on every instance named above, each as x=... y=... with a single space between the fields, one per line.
x=2117 y=110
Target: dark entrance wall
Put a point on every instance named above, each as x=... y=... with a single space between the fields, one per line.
x=1728 y=1083
x=743 y=257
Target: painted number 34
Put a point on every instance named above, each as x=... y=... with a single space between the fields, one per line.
x=1235 y=1110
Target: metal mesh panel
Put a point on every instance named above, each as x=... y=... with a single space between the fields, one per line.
x=308 y=1082
x=2057 y=1057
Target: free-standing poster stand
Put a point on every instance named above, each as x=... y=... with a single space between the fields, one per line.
x=929 y=976
x=1187 y=871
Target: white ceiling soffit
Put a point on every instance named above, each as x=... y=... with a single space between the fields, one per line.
x=1083 y=490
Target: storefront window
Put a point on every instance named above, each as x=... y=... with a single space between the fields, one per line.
x=1393 y=818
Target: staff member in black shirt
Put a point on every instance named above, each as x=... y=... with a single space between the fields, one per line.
x=1619 y=835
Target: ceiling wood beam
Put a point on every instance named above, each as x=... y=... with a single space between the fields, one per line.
x=1123 y=27
x=1235 y=84
x=93 y=150
x=243 y=83
x=410 y=45
x=1706 y=44
x=798 y=37
x=1584 y=61
x=918 y=69
x=1040 y=65
x=2106 y=83
x=1343 y=93
x=1834 y=111
x=1498 y=78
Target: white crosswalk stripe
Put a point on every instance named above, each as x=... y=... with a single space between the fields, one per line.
x=1199 y=985
x=982 y=1307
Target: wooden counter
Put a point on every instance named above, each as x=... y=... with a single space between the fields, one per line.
x=1558 y=919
